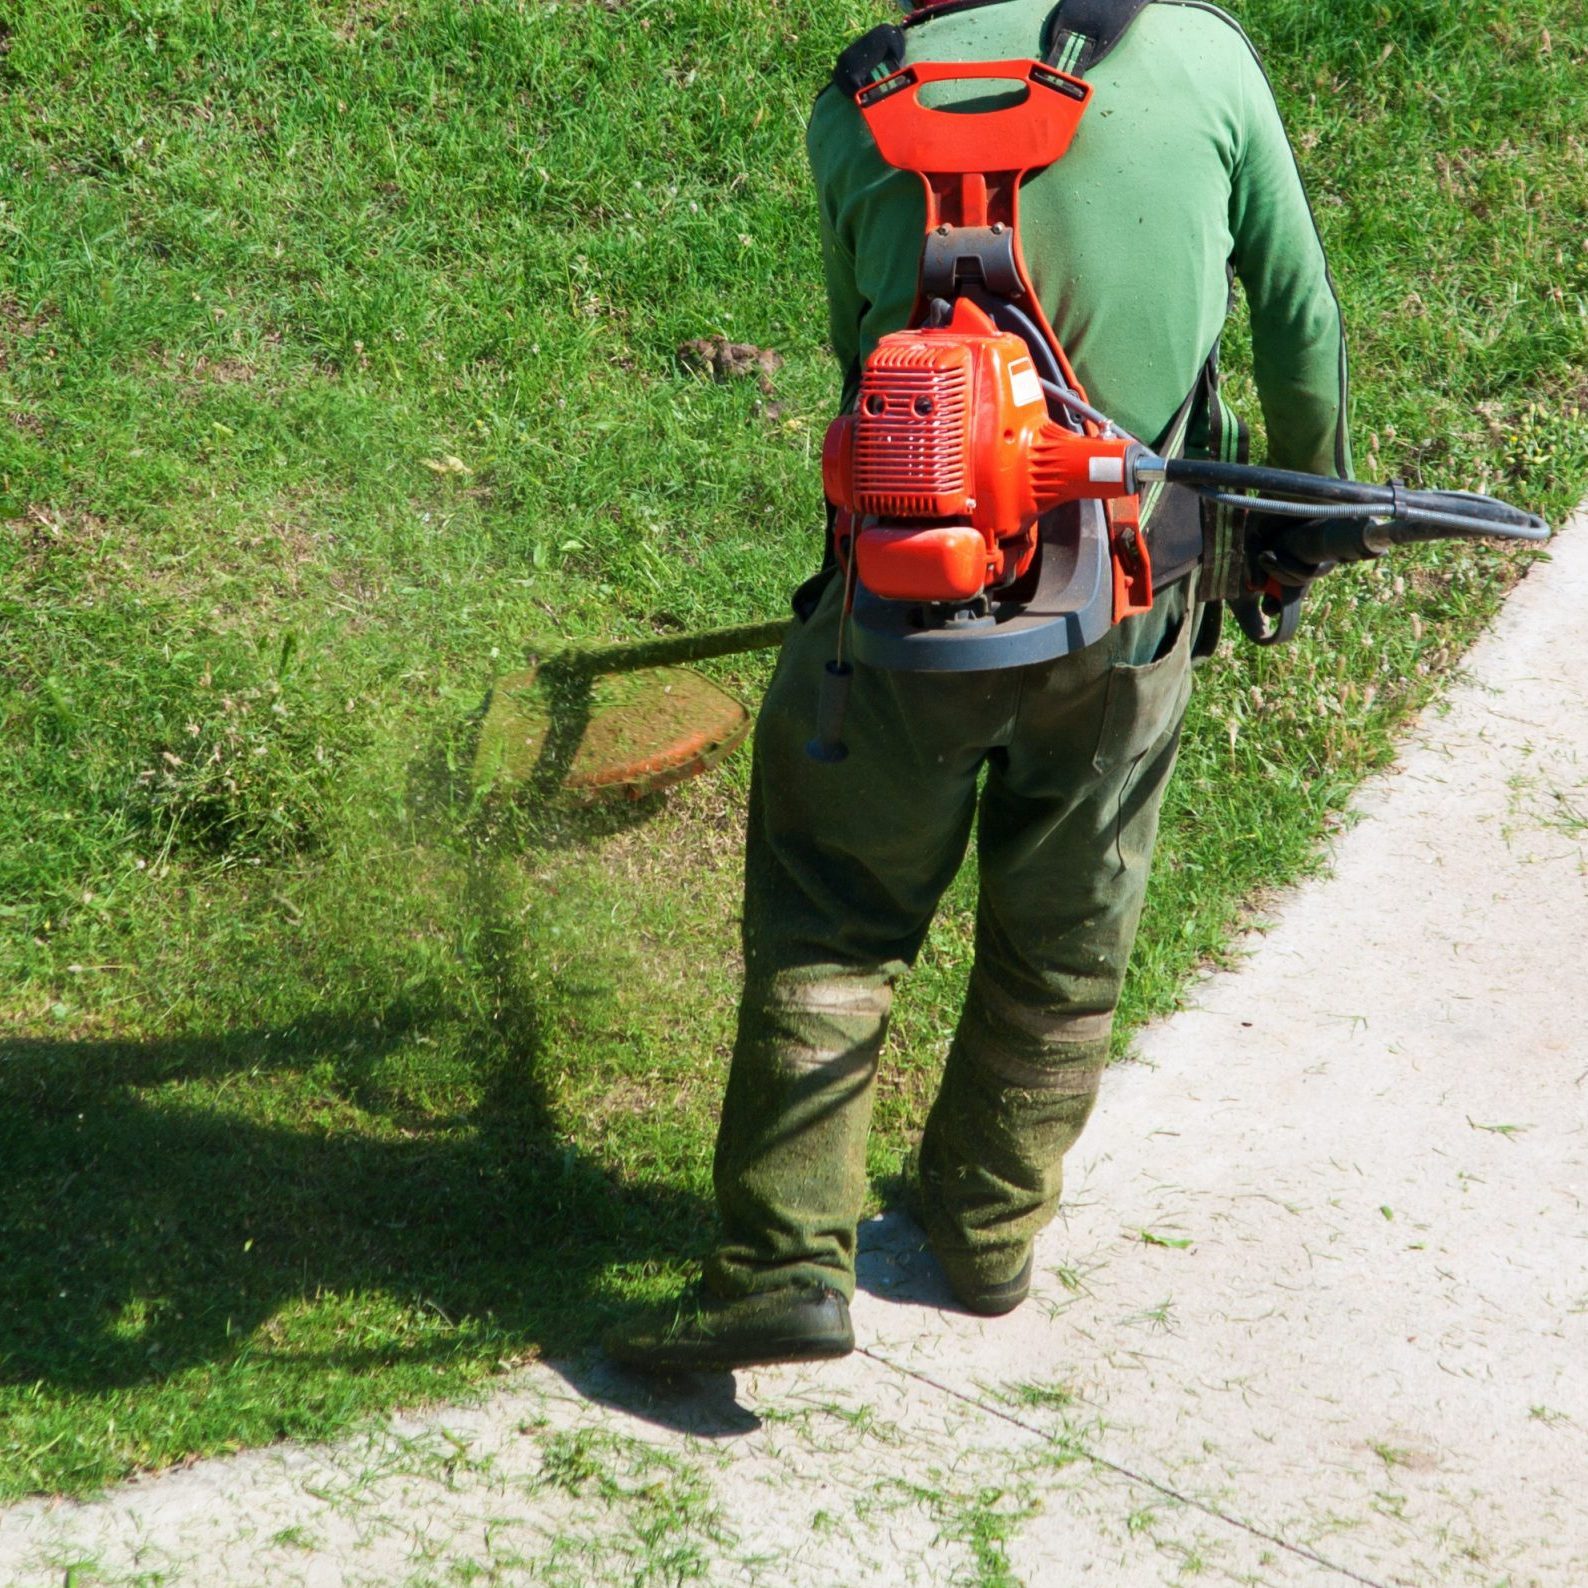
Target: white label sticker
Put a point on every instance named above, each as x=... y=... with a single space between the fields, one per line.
x=1105 y=470
x=1024 y=386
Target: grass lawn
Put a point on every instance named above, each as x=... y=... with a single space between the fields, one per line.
x=338 y=370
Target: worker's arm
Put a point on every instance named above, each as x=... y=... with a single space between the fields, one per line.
x=845 y=305
x=1298 y=342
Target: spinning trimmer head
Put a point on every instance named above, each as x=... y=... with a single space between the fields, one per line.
x=616 y=722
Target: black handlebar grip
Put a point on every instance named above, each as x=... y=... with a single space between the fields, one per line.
x=1316 y=541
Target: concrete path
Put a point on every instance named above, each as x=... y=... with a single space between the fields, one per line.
x=1317 y=1312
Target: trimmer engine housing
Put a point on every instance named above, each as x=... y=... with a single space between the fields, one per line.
x=950 y=457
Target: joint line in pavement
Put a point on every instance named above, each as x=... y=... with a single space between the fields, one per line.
x=1140 y=1478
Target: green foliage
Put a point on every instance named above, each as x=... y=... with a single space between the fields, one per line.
x=321 y=1088
x=252 y=771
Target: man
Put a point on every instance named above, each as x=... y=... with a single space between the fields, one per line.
x=1180 y=171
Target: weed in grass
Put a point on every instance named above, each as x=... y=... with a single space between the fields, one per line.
x=89 y=1574
x=1388 y=1503
x=324 y=1087
x=981 y=1522
x=1159 y=1317
x=573 y=1460
x=814 y=1420
x=986 y=1522
x=1072 y=1280
x=1569 y=818
x=864 y=1422
x=248 y=774
x=1071 y=1437
x=1510 y=1132
x=1192 y=1561
x=1548 y=1416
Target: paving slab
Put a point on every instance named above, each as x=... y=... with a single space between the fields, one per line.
x=1316 y=1311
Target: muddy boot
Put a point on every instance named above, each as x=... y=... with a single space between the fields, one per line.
x=702 y=1333
x=973 y=1288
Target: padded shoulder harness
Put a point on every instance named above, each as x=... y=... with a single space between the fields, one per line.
x=1079 y=33
x=1076 y=35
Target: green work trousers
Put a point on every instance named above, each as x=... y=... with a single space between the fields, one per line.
x=1060 y=768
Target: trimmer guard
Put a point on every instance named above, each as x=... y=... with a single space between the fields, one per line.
x=1065 y=603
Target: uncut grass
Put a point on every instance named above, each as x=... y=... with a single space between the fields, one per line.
x=327 y=1087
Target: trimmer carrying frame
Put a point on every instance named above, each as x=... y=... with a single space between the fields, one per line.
x=1089 y=565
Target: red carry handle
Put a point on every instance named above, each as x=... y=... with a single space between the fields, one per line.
x=1015 y=138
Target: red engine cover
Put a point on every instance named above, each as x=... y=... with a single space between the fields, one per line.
x=948 y=563
x=951 y=434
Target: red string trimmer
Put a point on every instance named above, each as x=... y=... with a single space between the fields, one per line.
x=986 y=514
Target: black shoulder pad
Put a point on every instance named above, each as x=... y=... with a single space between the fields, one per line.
x=1079 y=33
x=857 y=66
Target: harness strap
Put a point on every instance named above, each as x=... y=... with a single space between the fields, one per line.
x=1076 y=35
x=1183 y=530
x=869 y=59
x=1079 y=33
x=1171 y=516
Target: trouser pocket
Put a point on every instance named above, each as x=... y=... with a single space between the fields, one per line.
x=1144 y=700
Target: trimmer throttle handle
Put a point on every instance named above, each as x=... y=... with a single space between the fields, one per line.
x=1317 y=541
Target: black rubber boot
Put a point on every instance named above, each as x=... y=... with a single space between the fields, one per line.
x=700 y=1333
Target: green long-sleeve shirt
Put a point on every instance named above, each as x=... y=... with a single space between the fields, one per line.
x=1180 y=168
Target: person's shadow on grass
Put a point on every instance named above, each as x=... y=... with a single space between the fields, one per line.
x=150 y=1232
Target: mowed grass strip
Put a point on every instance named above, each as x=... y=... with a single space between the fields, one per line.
x=338 y=371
